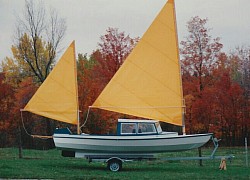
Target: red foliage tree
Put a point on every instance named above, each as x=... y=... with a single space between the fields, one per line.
x=199 y=51
x=7 y=100
x=97 y=121
x=219 y=106
x=240 y=65
x=28 y=123
x=214 y=98
x=199 y=55
x=113 y=49
x=95 y=72
x=229 y=97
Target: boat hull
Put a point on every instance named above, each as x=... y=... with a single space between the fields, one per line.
x=129 y=145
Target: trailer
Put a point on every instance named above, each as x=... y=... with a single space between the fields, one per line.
x=114 y=162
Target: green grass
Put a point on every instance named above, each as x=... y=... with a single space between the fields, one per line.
x=50 y=165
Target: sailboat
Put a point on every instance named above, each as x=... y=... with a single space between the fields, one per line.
x=148 y=85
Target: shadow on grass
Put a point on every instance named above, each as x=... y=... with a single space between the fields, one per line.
x=78 y=166
x=127 y=167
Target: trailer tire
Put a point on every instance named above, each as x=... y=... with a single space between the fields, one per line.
x=114 y=165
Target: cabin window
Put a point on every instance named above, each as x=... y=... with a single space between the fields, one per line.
x=146 y=128
x=158 y=127
x=128 y=128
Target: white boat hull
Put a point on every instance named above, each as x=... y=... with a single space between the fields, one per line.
x=124 y=145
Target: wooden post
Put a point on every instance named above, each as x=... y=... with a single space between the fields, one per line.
x=246 y=152
x=200 y=160
x=20 y=152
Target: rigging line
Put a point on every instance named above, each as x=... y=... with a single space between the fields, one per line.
x=86 y=118
x=128 y=107
x=34 y=136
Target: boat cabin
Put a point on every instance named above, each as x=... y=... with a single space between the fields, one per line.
x=138 y=127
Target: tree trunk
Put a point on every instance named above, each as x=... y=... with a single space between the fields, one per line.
x=20 y=149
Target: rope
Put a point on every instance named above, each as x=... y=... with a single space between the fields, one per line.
x=86 y=118
x=126 y=107
x=42 y=137
x=33 y=136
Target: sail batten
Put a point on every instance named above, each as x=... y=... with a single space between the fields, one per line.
x=57 y=97
x=148 y=84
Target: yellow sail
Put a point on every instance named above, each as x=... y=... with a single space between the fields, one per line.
x=148 y=84
x=57 y=97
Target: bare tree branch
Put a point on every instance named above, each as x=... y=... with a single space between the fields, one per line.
x=44 y=33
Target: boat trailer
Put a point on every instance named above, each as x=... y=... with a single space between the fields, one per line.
x=114 y=163
x=211 y=157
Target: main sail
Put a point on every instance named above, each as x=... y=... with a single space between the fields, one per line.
x=148 y=84
x=57 y=97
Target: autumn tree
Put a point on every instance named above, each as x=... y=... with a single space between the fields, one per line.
x=199 y=57
x=230 y=99
x=37 y=38
x=113 y=49
x=96 y=71
x=11 y=69
x=87 y=91
x=29 y=123
x=240 y=65
x=7 y=100
x=199 y=52
x=219 y=108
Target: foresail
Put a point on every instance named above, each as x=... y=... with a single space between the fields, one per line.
x=57 y=97
x=148 y=84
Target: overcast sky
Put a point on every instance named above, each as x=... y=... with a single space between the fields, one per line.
x=87 y=20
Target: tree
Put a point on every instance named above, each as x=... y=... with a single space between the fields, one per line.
x=29 y=123
x=37 y=39
x=228 y=103
x=12 y=71
x=94 y=74
x=199 y=51
x=199 y=57
x=219 y=108
x=113 y=49
x=240 y=65
x=7 y=100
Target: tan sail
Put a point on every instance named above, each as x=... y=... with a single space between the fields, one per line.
x=57 y=97
x=148 y=84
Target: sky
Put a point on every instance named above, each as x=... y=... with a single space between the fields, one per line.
x=87 y=20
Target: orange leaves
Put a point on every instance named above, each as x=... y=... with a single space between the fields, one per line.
x=6 y=109
x=218 y=107
x=94 y=74
x=199 y=51
x=25 y=91
x=113 y=49
x=213 y=84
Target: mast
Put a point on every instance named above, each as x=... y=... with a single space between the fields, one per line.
x=181 y=87
x=78 y=122
x=153 y=90
x=78 y=115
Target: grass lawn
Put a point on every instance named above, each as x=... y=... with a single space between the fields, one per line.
x=51 y=165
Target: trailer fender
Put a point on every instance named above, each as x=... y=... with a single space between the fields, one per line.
x=114 y=158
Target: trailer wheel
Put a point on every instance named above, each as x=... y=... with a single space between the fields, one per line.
x=114 y=165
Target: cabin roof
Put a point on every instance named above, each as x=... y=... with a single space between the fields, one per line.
x=137 y=120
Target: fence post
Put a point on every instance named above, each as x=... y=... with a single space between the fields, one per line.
x=246 y=151
x=200 y=161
